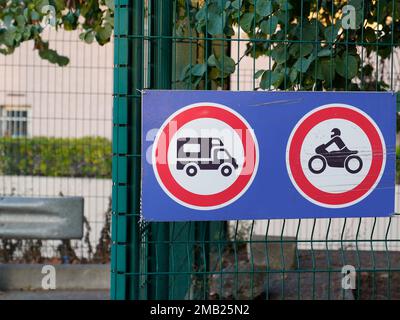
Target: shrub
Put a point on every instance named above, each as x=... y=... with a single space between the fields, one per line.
x=56 y=157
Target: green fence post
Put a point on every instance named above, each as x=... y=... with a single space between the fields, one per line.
x=182 y=257
x=161 y=78
x=128 y=77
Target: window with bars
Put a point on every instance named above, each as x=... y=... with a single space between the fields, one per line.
x=14 y=120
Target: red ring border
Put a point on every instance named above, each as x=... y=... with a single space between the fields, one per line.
x=176 y=190
x=336 y=199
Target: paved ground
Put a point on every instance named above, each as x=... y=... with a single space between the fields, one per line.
x=320 y=278
x=55 y=295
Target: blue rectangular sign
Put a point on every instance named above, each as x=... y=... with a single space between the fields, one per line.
x=224 y=155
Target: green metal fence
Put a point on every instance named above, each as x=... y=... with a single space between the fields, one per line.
x=55 y=140
x=280 y=45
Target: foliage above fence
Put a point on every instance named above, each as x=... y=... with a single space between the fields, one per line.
x=56 y=157
x=25 y=20
x=305 y=40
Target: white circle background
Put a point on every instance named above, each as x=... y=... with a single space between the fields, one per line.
x=316 y=135
x=207 y=182
x=234 y=150
x=336 y=180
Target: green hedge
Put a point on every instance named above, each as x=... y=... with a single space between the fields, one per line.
x=56 y=157
x=65 y=157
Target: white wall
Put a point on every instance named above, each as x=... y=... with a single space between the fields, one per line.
x=72 y=101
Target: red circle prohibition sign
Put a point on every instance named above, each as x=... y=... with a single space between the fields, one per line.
x=176 y=122
x=294 y=161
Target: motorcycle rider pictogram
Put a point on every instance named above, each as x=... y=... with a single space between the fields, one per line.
x=342 y=158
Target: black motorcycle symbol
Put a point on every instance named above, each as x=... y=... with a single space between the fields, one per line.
x=343 y=158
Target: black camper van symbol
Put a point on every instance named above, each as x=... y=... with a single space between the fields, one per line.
x=194 y=154
x=342 y=158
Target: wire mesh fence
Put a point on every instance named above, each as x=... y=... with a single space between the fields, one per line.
x=55 y=140
x=248 y=45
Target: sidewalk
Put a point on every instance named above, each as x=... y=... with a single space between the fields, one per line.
x=56 y=295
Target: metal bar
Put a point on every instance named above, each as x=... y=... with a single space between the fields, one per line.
x=134 y=141
x=161 y=78
x=128 y=78
x=41 y=218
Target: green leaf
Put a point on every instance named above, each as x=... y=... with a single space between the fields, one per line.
x=227 y=5
x=237 y=4
x=229 y=31
x=185 y=72
x=60 y=4
x=347 y=66
x=325 y=70
x=44 y=51
x=110 y=4
x=300 y=49
x=307 y=32
x=20 y=19
x=27 y=34
x=201 y=14
x=198 y=70
x=302 y=64
x=357 y=4
x=283 y=17
x=258 y=74
x=325 y=52
x=214 y=74
x=8 y=38
x=62 y=61
x=293 y=75
x=284 y=5
x=18 y=37
x=35 y=16
x=271 y=78
x=227 y=65
x=269 y=26
x=279 y=54
x=370 y=35
x=103 y=34
x=87 y=36
x=264 y=7
x=224 y=64
x=53 y=57
x=212 y=61
x=246 y=22
x=39 y=4
x=216 y=23
x=331 y=32
x=7 y=20
x=383 y=10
